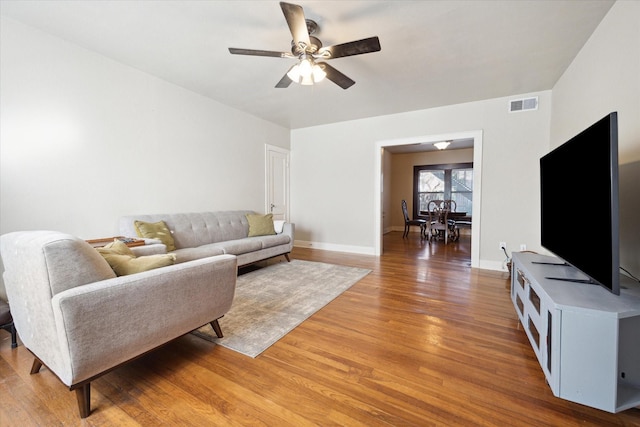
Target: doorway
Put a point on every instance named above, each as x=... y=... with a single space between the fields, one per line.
x=430 y=139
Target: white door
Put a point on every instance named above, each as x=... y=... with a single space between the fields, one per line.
x=277 y=182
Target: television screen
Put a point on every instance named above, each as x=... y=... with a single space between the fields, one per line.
x=579 y=202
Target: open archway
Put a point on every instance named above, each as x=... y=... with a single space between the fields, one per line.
x=429 y=139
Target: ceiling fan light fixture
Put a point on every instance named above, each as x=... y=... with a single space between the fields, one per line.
x=294 y=73
x=306 y=72
x=442 y=144
x=318 y=73
x=306 y=80
x=305 y=67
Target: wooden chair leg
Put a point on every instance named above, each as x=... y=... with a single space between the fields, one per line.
x=287 y=257
x=35 y=368
x=11 y=328
x=14 y=338
x=83 y=395
x=216 y=328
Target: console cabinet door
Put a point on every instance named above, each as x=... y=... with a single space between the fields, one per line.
x=588 y=368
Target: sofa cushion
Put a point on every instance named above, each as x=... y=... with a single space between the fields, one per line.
x=260 y=225
x=275 y=240
x=240 y=246
x=124 y=262
x=156 y=230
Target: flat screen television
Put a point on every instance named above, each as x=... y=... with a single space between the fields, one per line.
x=579 y=203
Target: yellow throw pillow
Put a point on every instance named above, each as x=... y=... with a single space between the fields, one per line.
x=123 y=261
x=260 y=225
x=117 y=247
x=156 y=230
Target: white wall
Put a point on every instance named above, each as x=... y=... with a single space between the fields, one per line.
x=333 y=173
x=85 y=140
x=605 y=77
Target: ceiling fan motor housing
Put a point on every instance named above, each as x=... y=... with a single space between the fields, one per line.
x=309 y=50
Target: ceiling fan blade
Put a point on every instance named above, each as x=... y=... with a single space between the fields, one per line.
x=294 y=15
x=336 y=76
x=284 y=82
x=255 y=52
x=358 y=47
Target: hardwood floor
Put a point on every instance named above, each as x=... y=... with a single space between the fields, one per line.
x=424 y=340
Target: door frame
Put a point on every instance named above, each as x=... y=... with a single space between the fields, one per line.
x=429 y=139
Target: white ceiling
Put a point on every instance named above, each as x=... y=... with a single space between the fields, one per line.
x=434 y=53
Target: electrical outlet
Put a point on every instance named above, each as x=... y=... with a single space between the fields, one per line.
x=502 y=245
x=523 y=247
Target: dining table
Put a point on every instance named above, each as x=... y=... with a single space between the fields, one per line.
x=455 y=220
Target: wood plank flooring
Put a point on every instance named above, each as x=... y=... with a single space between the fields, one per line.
x=424 y=340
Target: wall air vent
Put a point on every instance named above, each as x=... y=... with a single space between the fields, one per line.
x=523 y=104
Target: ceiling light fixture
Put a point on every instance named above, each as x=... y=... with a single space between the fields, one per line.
x=306 y=72
x=442 y=144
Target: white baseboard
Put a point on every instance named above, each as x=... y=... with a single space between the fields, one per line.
x=493 y=265
x=361 y=250
x=364 y=250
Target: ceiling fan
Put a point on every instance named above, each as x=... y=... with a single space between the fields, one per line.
x=307 y=49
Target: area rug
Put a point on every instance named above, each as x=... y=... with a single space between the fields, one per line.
x=272 y=301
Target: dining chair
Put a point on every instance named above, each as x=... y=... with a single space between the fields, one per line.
x=438 y=223
x=452 y=206
x=6 y=322
x=408 y=222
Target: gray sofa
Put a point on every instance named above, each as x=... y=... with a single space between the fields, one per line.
x=204 y=234
x=81 y=320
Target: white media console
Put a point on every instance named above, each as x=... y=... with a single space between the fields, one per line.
x=586 y=339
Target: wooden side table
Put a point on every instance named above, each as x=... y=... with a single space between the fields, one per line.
x=129 y=241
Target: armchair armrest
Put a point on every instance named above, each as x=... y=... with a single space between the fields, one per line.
x=106 y=323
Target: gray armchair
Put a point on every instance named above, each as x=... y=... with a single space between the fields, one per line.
x=81 y=321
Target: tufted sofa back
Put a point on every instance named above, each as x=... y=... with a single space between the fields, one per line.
x=195 y=229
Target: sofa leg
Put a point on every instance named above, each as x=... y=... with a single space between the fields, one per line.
x=83 y=395
x=287 y=257
x=35 y=368
x=216 y=328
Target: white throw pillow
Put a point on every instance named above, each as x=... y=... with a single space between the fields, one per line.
x=278 y=225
